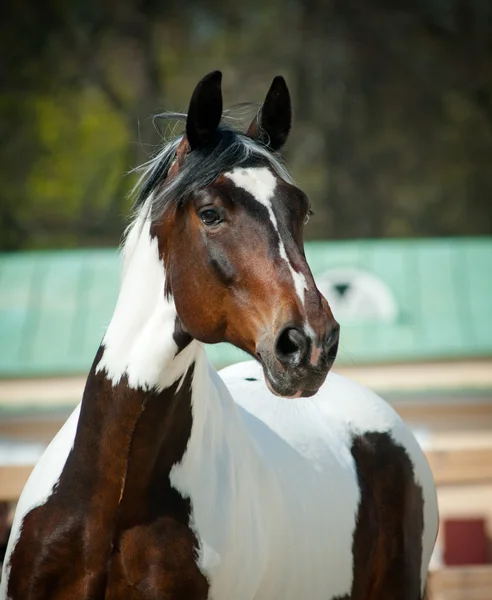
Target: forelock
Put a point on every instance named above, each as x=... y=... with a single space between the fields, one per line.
x=200 y=168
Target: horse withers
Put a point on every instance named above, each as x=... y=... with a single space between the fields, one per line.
x=271 y=481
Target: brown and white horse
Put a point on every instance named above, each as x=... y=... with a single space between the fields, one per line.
x=171 y=482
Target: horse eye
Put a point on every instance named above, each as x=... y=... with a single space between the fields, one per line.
x=310 y=213
x=210 y=216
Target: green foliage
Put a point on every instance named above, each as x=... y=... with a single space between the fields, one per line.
x=79 y=168
x=393 y=108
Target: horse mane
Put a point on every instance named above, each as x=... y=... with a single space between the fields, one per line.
x=202 y=166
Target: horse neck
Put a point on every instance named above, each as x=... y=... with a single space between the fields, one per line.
x=139 y=343
x=136 y=415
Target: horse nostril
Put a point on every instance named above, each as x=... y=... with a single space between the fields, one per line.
x=331 y=343
x=292 y=346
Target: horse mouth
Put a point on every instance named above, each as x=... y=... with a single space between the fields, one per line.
x=303 y=387
x=276 y=390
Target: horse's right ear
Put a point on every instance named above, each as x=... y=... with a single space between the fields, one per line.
x=205 y=111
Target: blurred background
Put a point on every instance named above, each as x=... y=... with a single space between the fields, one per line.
x=392 y=141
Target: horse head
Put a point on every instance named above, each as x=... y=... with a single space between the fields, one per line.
x=229 y=224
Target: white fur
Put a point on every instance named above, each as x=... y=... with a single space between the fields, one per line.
x=39 y=486
x=272 y=482
x=261 y=184
x=274 y=488
x=139 y=341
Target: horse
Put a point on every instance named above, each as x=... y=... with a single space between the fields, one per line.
x=273 y=480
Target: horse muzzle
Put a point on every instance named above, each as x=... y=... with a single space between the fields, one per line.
x=296 y=363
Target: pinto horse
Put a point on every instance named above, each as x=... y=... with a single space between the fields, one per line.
x=173 y=482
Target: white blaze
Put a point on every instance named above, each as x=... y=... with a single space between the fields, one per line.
x=261 y=184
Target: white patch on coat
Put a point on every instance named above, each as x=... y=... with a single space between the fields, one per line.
x=343 y=409
x=273 y=490
x=139 y=341
x=39 y=486
x=261 y=184
x=273 y=484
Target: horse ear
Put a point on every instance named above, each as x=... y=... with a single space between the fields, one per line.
x=205 y=111
x=272 y=124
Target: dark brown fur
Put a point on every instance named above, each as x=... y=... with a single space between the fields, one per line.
x=113 y=517
x=387 y=546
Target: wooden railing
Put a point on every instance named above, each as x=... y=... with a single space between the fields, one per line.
x=460 y=583
x=12 y=481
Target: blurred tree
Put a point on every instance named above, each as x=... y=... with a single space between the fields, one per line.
x=398 y=107
x=393 y=107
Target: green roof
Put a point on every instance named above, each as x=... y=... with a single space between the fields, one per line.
x=416 y=299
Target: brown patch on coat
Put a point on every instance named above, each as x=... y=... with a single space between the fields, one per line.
x=113 y=526
x=387 y=546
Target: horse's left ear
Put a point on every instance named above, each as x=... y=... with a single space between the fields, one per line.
x=272 y=124
x=205 y=111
